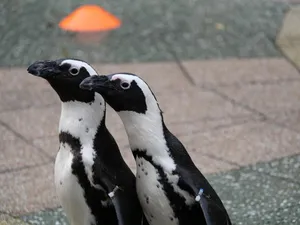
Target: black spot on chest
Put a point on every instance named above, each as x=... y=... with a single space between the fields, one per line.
x=93 y=197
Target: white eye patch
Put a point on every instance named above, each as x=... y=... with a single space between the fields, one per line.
x=77 y=64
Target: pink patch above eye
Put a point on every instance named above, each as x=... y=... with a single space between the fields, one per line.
x=115 y=78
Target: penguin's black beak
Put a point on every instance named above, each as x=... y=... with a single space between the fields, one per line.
x=44 y=69
x=96 y=83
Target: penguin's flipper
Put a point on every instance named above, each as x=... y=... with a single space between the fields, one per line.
x=212 y=208
x=123 y=210
x=117 y=196
x=114 y=193
x=213 y=213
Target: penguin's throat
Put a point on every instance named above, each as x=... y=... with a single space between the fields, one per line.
x=139 y=124
x=81 y=119
x=145 y=132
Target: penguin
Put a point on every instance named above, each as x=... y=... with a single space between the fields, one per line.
x=93 y=183
x=171 y=189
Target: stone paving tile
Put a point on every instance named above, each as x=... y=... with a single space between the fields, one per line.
x=253 y=83
x=20 y=90
x=28 y=190
x=284 y=215
x=240 y=71
x=270 y=98
x=244 y=144
x=193 y=104
x=258 y=198
x=207 y=164
x=48 y=217
x=49 y=144
x=214 y=29
x=251 y=197
x=15 y=153
x=288 y=38
x=287 y=167
x=207 y=124
x=12 y=79
x=33 y=122
x=5 y=219
x=289 y=118
x=18 y=99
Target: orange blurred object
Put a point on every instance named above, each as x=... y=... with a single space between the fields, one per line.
x=89 y=18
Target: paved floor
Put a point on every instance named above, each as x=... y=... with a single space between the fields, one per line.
x=229 y=113
x=226 y=91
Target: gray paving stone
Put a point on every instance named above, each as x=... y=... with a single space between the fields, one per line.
x=254 y=198
x=28 y=190
x=20 y=90
x=289 y=118
x=33 y=122
x=20 y=99
x=193 y=104
x=239 y=72
x=16 y=154
x=55 y=216
x=266 y=98
x=245 y=143
x=257 y=198
x=6 y=219
x=287 y=168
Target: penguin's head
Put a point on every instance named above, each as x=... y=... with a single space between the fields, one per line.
x=122 y=91
x=65 y=75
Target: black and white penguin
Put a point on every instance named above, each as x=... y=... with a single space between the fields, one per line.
x=171 y=189
x=94 y=184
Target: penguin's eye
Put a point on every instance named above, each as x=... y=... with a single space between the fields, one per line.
x=124 y=85
x=73 y=71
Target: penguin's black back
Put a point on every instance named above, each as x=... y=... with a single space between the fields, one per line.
x=189 y=173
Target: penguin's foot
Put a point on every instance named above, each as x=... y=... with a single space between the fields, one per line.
x=198 y=197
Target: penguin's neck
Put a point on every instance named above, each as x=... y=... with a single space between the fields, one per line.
x=146 y=133
x=83 y=120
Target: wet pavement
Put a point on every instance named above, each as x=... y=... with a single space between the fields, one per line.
x=151 y=30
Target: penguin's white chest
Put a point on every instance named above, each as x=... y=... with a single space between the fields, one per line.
x=155 y=204
x=69 y=191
